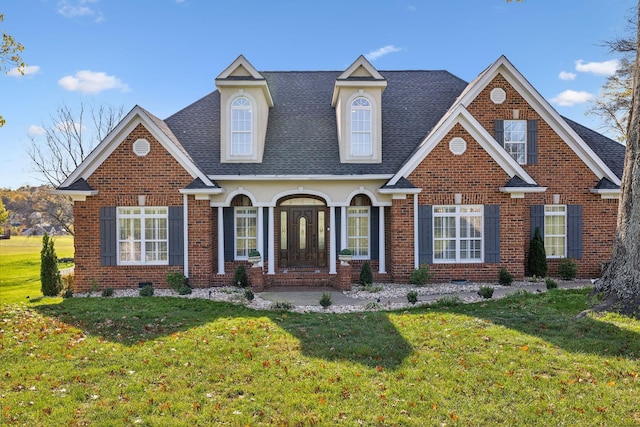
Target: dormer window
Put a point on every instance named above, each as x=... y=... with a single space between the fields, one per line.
x=241 y=127
x=361 y=127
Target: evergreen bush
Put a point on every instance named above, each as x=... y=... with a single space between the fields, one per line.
x=325 y=300
x=240 y=278
x=50 y=281
x=366 y=277
x=486 y=292
x=421 y=276
x=504 y=277
x=412 y=297
x=146 y=291
x=537 y=255
x=568 y=269
x=551 y=284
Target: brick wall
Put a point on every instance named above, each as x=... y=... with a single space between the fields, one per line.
x=477 y=177
x=121 y=178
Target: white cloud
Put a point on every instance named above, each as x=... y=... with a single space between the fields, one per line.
x=569 y=98
x=564 y=75
x=372 y=56
x=606 y=68
x=86 y=81
x=79 y=8
x=29 y=70
x=35 y=130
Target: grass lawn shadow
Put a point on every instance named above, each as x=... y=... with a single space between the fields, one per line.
x=369 y=339
x=551 y=316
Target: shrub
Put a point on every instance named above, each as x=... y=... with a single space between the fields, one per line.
x=325 y=300
x=551 y=284
x=107 y=292
x=146 y=291
x=486 y=292
x=504 y=277
x=567 y=268
x=50 y=282
x=345 y=251
x=248 y=294
x=281 y=305
x=178 y=282
x=412 y=297
x=240 y=278
x=372 y=305
x=254 y=253
x=372 y=288
x=421 y=276
x=537 y=255
x=366 y=277
x=68 y=283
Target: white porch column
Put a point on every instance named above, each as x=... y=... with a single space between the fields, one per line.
x=382 y=265
x=271 y=243
x=260 y=232
x=332 y=240
x=185 y=230
x=220 y=240
x=343 y=227
x=416 y=253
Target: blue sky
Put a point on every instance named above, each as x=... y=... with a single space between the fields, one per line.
x=165 y=54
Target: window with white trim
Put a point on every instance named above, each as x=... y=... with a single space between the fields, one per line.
x=358 y=219
x=361 y=127
x=457 y=233
x=515 y=139
x=246 y=229
x=241 y=127
x=555 y=231
x=143 y=235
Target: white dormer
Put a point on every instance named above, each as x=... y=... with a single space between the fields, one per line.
x=244 y=112
x=357 y=98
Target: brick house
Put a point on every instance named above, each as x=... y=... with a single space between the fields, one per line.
x=402 y=167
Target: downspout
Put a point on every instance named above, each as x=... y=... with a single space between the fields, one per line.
x=185 y=230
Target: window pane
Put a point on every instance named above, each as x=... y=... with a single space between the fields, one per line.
x=321 y=230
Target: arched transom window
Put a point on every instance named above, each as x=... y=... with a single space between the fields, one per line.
x=361 y=127
x=241 y=127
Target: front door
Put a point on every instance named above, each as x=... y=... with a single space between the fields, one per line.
x=303 y=236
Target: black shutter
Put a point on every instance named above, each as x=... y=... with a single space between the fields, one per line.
x=176 y=235
x=338 y=212
x=537 y=219
x=229 y=233
x=425 y=238
x=492 y=234
x=374 y=232
x=108 y=252
x=499 y=131
x=574 y=231
x=264 y=251
x=532 y=142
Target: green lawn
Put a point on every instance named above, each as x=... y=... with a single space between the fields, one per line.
x=160 y=361
x=20 y=265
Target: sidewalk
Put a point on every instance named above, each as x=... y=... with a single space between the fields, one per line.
x=310 y=296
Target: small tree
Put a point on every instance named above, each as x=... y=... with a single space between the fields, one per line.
x=537 y=255
x=240 y=277
x=49 y=273
x=366 y=277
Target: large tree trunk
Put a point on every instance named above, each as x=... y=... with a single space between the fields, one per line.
x=621 y=280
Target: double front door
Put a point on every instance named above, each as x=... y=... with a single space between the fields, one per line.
x=303 y=236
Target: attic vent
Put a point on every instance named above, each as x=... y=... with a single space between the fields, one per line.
x=141 y=147
x=498 y=95
x=457 y=146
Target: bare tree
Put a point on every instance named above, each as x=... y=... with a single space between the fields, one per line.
x=614 y=102
x=621 y=280
x=63 y=144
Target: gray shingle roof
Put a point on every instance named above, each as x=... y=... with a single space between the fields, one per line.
x=301 y=134
x=78 y=185
x=610 y=151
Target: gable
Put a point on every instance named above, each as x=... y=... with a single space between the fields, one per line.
x=156 y=128
x=503 y=69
